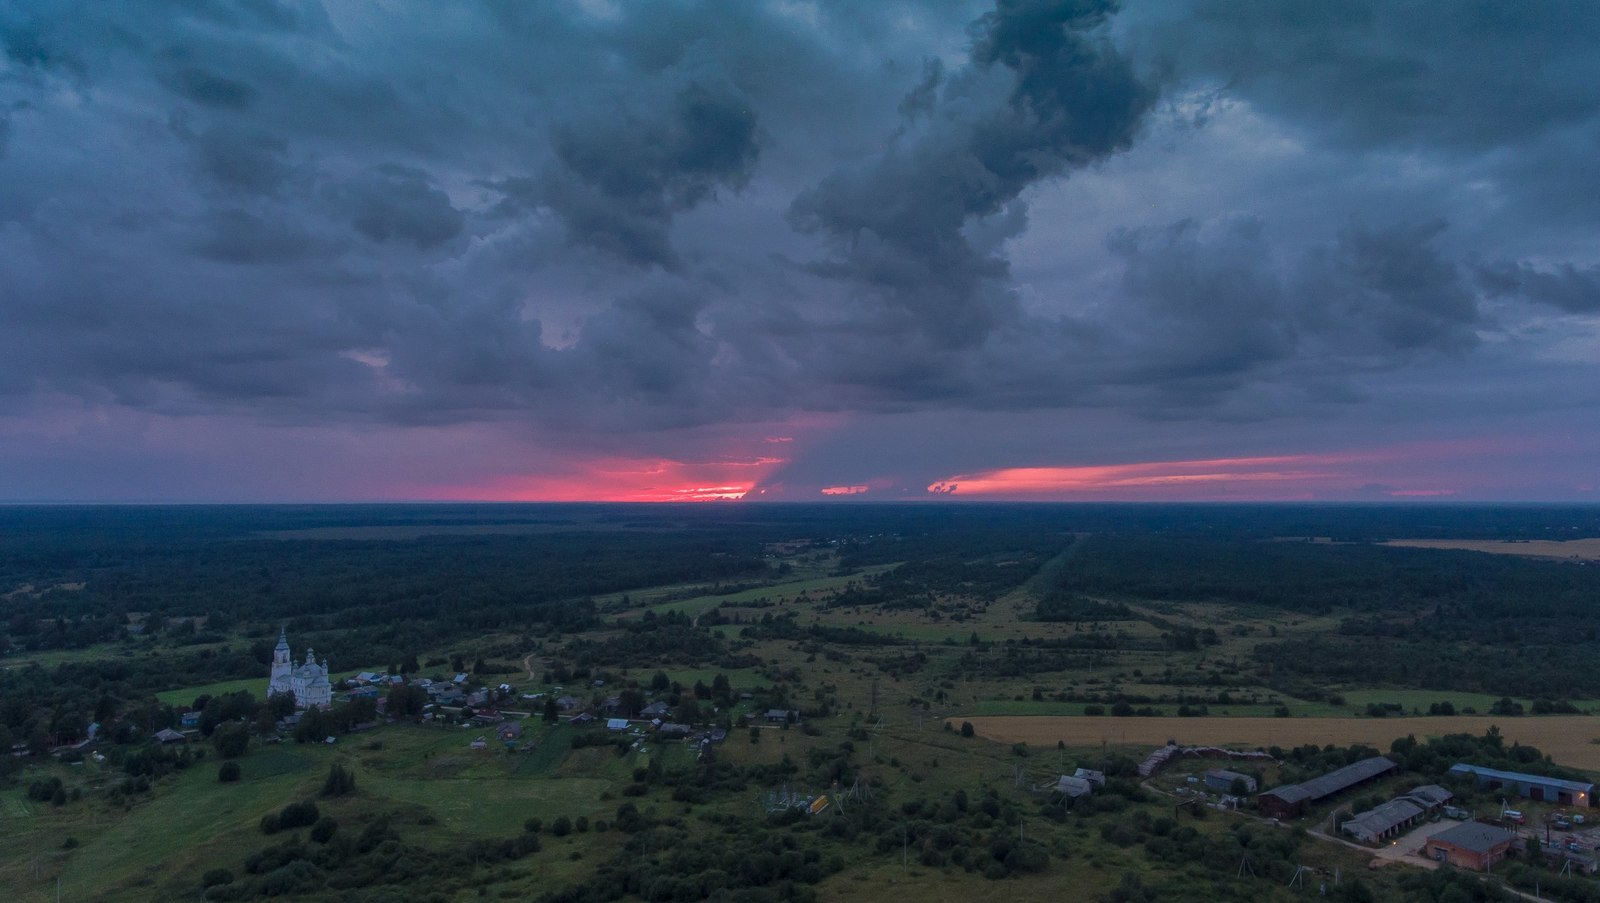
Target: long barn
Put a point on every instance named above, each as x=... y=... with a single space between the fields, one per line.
x=1530 y=786
x=1291 y=800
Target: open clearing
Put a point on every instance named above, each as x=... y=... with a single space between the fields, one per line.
x=1582 y=549
x=1569 y=739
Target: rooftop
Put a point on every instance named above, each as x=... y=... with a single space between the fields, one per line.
x=1475 y=836
x=1334 y=781
x=1374 y=822
x=1497 y=774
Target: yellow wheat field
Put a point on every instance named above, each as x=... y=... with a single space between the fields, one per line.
x=1569 y=739
x=1581 y=549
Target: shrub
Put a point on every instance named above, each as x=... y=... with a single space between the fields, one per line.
x=228 y=773
x=216 y=877
x=967 y=729
x=561 y=827
x=322 y=831
x=340 y=781
x=532 y=825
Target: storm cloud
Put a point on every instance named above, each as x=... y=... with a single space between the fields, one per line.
x=596 y=232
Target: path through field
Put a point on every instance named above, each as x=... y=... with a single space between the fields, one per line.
x=1569 y=739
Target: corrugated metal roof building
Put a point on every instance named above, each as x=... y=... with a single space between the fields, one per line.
x=1532 y=786
x=1291 y=800
x=1383 y=822
x=1221 y=780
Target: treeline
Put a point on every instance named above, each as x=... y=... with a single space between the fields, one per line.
x=434 y=588
x=1321 y=577
x=1305 y=668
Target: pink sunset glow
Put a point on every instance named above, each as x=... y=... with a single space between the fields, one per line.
x=620 y=480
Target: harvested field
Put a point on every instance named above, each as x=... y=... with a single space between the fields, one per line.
x=1569 y=739
x=1582 y=549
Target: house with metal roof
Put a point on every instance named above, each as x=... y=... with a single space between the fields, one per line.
x=1531 y=786
x=1292 y=800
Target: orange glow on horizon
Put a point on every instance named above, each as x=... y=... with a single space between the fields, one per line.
x=844 y=490
x=1155 y=475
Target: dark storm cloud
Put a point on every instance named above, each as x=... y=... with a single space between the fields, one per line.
x=1566 y=287
x=239 y=236
x=1390 y=287
x=204 y=87
x=1473 y=75
x=399 y=203
x=1045 y=93
x=245 y=159
x=620 y=177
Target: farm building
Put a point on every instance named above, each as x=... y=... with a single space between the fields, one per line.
x=1470 y=845
x=1221 y=780
x=1090 y=775
x=1291 y=800
x=1532 y=786
x=1428 y=796
x=1380 y=823
x=1073 y=787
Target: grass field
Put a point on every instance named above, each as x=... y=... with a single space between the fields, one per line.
x=1569 y=739
x=773 y=592
x=256 y=685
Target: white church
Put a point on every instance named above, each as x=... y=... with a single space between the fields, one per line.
x=308 y=682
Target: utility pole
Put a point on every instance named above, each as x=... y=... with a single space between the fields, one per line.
x=905 y=847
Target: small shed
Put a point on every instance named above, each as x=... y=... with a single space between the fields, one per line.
x=1221 y=780
x=1073 y=787
x=168 y=735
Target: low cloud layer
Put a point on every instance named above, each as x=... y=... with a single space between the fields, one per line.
x=599 y=232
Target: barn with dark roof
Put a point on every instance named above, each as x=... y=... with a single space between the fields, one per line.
x=1292 y=800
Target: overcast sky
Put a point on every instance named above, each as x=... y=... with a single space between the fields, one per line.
x=1218 y=249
